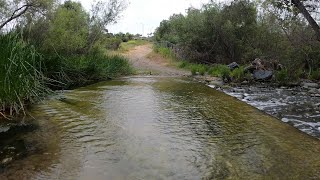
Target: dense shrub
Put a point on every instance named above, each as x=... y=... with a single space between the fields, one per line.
x=238 y=74
x=220 y=70
x=282 y=76
x=113 y=43
x=315 y=75
x=240 y=31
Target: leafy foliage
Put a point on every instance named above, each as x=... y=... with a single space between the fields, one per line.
x=241 y=31
x=68 y=30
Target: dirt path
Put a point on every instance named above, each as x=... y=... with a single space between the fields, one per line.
x=152 y=64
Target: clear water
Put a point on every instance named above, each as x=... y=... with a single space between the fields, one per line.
x=161 y=128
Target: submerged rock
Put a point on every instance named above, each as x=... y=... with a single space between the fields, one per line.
x=12 y=147
x=11 y=151
x=10 y=130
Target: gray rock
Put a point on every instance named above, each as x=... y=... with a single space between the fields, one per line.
x=239 y=90
x=313 y=91
x=217 y=83
x=6 y=161
x=249 y=69
x=310 y=85
x=233 y=66
x=4 y=129
x=244 y=82
x=262 y=75
x=10 y=130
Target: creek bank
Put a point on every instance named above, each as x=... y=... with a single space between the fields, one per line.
x=297 y=105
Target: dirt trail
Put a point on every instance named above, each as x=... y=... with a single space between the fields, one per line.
x=154 y=64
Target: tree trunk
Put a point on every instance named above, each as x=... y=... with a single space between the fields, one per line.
x=309 y=18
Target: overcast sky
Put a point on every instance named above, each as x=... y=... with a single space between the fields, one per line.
x=143 y=16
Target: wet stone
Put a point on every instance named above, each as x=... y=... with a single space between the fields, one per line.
x=12 y=147
x=11 y=151
x=313 y=91
x=298 y=106
x=310 y=85
x=10 y=130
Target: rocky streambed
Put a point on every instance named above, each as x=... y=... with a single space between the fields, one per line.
x=298 y=106
x=12 y=143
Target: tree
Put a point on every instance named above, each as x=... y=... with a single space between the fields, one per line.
x=14 y=9
x=68 y=29
x=299 y=5
x=104 y=13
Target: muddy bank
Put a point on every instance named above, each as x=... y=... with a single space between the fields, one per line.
x=298 y=106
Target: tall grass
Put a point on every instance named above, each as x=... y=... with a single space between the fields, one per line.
x=20 y=78
x=219 y=70
x=26 y=75
x=70 y=71
x=165 y=52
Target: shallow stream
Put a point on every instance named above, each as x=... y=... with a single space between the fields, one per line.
x=161 y=128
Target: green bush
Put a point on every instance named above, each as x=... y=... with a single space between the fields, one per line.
x=238 y=74
x=77 y=70
x=194 y=71
x=200 y=69
x=315 y=75
x=20 y=78
x=165 y=52
x=183 y=64
x=113 y=43
x=220 y=70
x=282 y=76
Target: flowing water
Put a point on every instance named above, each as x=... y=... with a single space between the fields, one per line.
x=161 y=128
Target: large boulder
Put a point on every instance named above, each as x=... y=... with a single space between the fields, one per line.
x=262 y=74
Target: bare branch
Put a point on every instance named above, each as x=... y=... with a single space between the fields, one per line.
x=14 y=15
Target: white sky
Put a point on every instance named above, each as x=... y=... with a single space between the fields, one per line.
x=143 y=16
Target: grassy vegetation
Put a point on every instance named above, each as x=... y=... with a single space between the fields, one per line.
x=215 y=70
x=26 y=75
x=220 y=70
x=59 y=50
x=196 y=69
x=126 y=46
x=315 y=75
x=77 y=70
x=21 y=80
